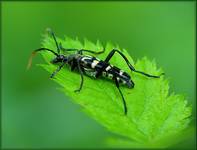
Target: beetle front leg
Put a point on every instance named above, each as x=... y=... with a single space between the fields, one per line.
x=57 y=70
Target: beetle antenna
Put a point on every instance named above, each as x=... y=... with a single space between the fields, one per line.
x=53 y=35
x=34 y=53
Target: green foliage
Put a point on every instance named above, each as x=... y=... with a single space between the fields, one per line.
x=155 y=117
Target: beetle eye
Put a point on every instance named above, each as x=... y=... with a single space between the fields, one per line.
x=61 y=56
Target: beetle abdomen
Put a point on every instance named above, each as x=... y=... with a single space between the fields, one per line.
x=124 y=78
x=92 y=66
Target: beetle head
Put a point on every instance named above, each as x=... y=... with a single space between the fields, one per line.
x=59 y=58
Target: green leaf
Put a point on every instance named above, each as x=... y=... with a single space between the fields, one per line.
x=155 y=117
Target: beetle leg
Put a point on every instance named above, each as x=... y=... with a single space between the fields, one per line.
x=128 y=63
x=89 y=51
x=67 y=49
x=57 y=70
x=81 y=50
x=123 y=100
x=81 y=73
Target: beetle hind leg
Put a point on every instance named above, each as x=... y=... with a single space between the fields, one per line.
x=123 y=100
x=110 y=55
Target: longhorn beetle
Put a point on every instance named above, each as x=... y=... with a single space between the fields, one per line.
x=92 y=66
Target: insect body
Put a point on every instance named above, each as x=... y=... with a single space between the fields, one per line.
x=92 y=66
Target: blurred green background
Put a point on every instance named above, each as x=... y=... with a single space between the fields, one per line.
x=35 y=114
